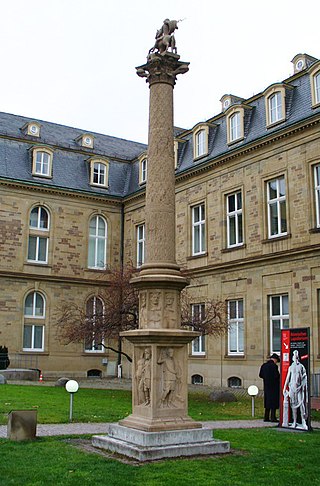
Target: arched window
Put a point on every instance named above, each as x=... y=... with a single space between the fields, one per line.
x=234 y=382
x=275 y=107
x=99 y=172
x=97 y=243
x=34 y=315
x=235 y=128
x=42 y=162
x=94 y=313
x=197 y=380
x=38 y=242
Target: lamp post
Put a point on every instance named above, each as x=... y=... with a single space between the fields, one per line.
x=253 y=391
x=72 y=387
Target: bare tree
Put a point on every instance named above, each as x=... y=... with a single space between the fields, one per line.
x=115 y=307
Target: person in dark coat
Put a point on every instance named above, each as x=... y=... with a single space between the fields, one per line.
x=271 y=383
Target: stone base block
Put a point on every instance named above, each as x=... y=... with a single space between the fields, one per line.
x=22 y=425
x=148 y=446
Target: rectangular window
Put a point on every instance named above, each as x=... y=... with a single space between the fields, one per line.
x=198 y=344
x=33 y=338
x=42 y=164
x=279 y=319
x=38 y=249
x=275 y=107
x=200 y=143
x=143 y=170
x=99 y=174
x=235 y=327
x=277 y=212
x=317 y=192
x=198 y=230
x=140 y=244
x=317 y=88
x=235 y=127
x=234 y=220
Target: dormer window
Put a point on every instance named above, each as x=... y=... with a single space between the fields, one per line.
x=275 y=103
x=86 y=140
x=32 y=128
x=236 y=116
x=235 y=128
x=99 y=172
x=42 y=162
x=315 y=84
x=200 y=140
x=302 y=61
x=228 y=99
x=143 y=168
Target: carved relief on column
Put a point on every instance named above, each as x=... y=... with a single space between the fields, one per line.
x=170 y=378
x=143 y=312
x=155 y=307
x=143 y=376
x=170 y=318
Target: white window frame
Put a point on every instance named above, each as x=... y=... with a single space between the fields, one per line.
x=200 y=142
x=140 y=237
x=317 y=87
x=94 y=348
x=199 y=229
x=275 y=107
x=237 y=216
x=94 y=241
x=236 y=327
x=278 y=202
x=198 y=345
x=281 y=317
x=39 y=234
x=235 y=126
x=40 y=167
x=316 y=171
x=99 y=173
x=28 y=321
x=143 y=170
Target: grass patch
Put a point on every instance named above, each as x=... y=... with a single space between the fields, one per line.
x=96 y=405
x=263 y=457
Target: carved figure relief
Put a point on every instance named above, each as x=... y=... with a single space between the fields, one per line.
x=170 y=317
x=155 y=310
x=143 y=375
x=143 y=309
x=170 y=379
x=165 y=38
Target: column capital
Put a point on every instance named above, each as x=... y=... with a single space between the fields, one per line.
x=162 y=68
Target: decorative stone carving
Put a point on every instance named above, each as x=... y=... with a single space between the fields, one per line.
x=165 y=38
x=170 y=379
x=143 y=309
x=170 y=311
x=155 y=310
x=143 y=376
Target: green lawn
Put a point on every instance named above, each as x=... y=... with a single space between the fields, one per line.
x=96 y=405
x=260 y=457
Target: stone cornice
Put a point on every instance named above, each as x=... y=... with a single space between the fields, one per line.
x=25 y=185
x=54 y=278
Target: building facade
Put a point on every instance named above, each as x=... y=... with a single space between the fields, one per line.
x=247 y=228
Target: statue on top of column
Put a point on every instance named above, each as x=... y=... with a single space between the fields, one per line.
x=165 y=38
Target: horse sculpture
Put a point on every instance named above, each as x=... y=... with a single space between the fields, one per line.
x=165 y=38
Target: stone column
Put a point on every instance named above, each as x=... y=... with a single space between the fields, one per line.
x=160 y=357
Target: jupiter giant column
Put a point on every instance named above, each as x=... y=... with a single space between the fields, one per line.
x=160 y=345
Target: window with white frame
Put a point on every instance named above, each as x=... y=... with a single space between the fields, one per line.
x=38 y=241
x=140 y=244
x=198 y=344
x=99 y=174
x=275 y=107
x=200 y=143
x=235 y=126
x=198 y=230
x=94 y=315
x=34 y=315
x=42 y=162
x=235 y=327
x=234 y=220
x=317 y=87
x=279 y=319
x=143 y=170
x=317 y=192
x=277 y=211
x=97 y=257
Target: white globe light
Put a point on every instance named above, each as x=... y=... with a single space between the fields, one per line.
x=253 y=390
x=72 y=386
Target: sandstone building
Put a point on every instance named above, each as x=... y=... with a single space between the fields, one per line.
x=247 y=228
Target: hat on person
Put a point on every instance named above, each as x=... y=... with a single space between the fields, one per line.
x=275 y=356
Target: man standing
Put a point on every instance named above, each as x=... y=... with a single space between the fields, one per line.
x=271 y=383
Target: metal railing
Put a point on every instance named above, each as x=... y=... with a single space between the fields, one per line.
x=23 y=361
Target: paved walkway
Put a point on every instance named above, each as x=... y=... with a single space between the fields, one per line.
x=45 y=430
